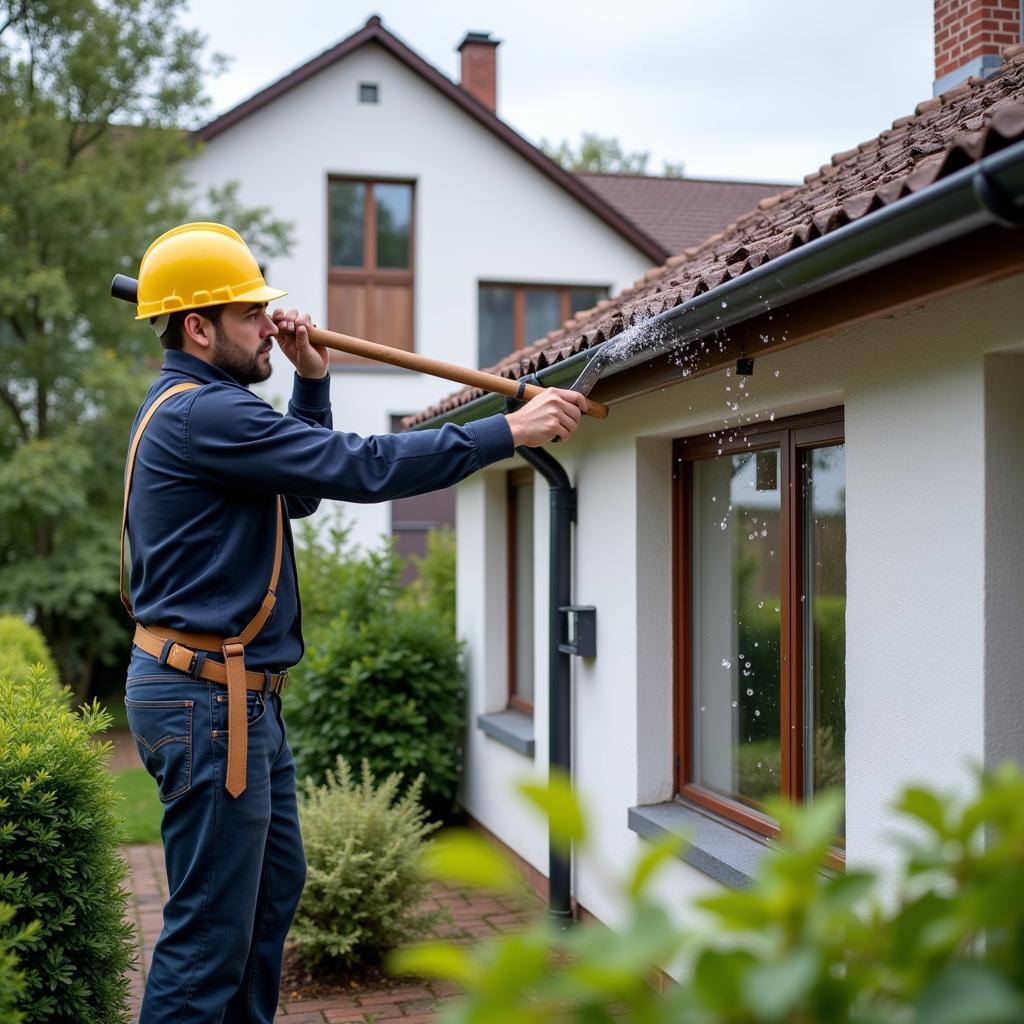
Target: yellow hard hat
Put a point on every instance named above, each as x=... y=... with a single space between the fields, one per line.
x=196 y=265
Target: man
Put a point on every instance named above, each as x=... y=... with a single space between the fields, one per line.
x=213 y=475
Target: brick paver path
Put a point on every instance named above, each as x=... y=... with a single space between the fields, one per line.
x=473 y=916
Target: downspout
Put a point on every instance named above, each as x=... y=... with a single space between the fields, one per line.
x=562 y=516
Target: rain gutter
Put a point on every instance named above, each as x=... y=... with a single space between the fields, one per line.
x=989 y=191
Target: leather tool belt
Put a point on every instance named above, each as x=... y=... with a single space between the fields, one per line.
x=187 y=651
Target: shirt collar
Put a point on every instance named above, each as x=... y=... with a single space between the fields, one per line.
x=176 y=361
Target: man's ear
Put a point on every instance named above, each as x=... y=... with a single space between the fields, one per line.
x=198 y=329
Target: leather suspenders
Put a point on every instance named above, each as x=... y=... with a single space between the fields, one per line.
x=186 y=651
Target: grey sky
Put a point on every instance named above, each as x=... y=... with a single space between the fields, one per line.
x=740 y=89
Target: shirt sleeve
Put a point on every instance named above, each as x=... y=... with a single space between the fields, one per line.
x=232 y=437
x=310 y=403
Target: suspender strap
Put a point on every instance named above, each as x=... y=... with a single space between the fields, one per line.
x=129 y=469
x=232 y=648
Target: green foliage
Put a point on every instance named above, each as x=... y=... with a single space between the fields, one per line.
x=433 y=587
x=801 y=945
x=21 y=647
x=12 y=982
x=58 y=847
x=381 y=678
x=365 y=885
x=596 y=155
x=93 y=98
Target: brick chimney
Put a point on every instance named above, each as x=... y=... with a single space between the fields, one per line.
x=970 y=36
x=479 y=75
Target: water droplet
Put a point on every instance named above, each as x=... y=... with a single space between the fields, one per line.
x=760 y=604
x=725 y=305
x=758 y=764
x=703 y=708
x=723 y=525
x=757 y=713
x=735 y=704
x=777 y=372
x=726 y=663
x=750 y=692
x=764 y=533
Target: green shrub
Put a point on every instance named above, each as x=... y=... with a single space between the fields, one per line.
x=381 y=678
x=364 y=884
x=58 y=848
x=434 y=585
x=943 y=945
x=12 y=981
x=21 y=647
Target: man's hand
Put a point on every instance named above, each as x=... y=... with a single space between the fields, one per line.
x=555 y=413
x=308 y=359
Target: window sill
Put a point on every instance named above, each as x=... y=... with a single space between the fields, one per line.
x=727 y=853
x=512 y=728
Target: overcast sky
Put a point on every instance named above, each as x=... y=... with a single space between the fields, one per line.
x=749 y=89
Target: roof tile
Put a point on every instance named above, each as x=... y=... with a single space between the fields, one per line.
x=943 y=136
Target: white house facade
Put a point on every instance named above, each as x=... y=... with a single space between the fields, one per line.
x=460 y=204
x=799 y=526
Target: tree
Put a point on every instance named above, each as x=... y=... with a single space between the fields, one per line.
x=94 y=97
x=596 y=155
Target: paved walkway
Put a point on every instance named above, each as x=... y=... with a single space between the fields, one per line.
x=473 y=916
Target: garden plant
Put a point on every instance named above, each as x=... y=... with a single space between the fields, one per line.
x=942 y=943
x=61 y=873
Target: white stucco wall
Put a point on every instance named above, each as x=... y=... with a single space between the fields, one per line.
x=934 y=484
x=481 y=213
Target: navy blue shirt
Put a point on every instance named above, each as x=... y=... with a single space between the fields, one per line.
x=202 y=510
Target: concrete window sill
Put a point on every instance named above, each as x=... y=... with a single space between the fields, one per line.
x=512 y=728
x=727 y=853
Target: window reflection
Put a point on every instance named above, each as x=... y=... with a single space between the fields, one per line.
x=824 y=614
x=736 y=624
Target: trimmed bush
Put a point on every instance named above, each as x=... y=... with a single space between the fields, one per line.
x=58 y=848
x=12 y=981
x=21 y=647
x=381 y=678
x=364 y=883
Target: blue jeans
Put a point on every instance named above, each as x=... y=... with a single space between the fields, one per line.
x=235 y=867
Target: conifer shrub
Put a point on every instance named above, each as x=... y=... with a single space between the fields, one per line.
x=381 y=678
x=21 y=647
x=12 y=981
x=59 y=864
x=364 y=883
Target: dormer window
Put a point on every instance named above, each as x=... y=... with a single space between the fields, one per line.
x=368 y=92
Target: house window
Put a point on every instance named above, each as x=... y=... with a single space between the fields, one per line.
x=370 y=262
x=368 y=92
x=520 y=590
x=760 y=567
x=512 y=316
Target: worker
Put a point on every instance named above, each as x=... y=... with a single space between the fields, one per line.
x=213 y=476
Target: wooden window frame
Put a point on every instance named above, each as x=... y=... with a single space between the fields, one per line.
x=369 y=275
x=520 y=289
x=792 y=437
x=516 y=478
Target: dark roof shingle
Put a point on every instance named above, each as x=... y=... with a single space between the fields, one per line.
x=678 y=212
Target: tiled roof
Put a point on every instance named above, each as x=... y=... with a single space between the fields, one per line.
x=943 y=135
x=678 y=212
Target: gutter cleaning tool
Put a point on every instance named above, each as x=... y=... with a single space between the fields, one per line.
x=127 y=288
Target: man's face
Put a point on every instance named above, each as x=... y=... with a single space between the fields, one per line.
x=243 y=342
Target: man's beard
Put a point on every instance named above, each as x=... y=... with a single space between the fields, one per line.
x=242 y=364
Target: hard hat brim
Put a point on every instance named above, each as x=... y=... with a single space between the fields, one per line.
x=261 y=293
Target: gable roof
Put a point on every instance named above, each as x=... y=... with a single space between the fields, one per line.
x=944 y=135
x=679 y=212
x=374 y=32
